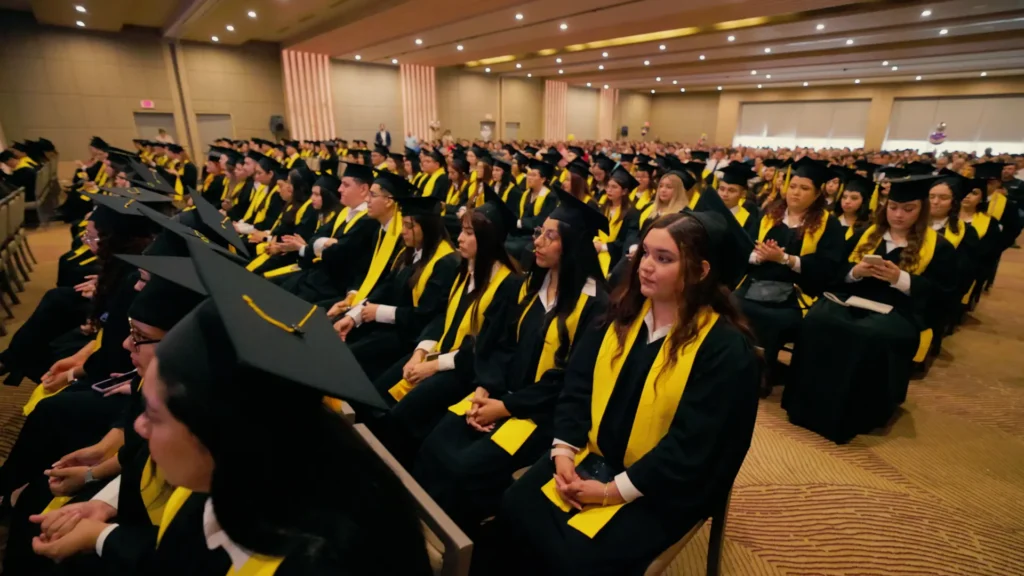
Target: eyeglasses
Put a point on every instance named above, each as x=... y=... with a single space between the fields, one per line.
x=379 y=195
x=548 y=235
x=137 y=341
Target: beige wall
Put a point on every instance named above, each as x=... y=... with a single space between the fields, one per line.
x=245 y=82
x=683 y=117
x=634 y=110
x=466 y=99
x=581 y=113
x=68 y=85
x=522 y=100
x=365 y=95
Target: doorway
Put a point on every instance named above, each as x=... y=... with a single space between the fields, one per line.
x=148 y=125
x=214 y=126
x=511 y=130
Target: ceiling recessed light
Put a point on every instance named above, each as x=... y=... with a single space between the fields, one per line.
x=518 y=65
x=943 y=32
x=647 y=62
x=753 y=72
x=701 y=56
x=251 y=13
x=605 y=86
x=394 y=60
x=820 y=27
x=806 y=84
x=600 y=66
x=857 y=81
x=767 y=50
x=926 y=13
x=588 y=84
x=80 y=23
x=530 y=75
x=488 y=70
x=358 y=57
x=460 y=47
x=719 y=87
x=604 y=54
x=758 y=85
x=229 y=28
x=558 y=60
x=682 y=89
x=731 y=38
x=662 y=47
x=519 y=16
x=214 y=38
x=563 y=26
x=657 y=79
x=849 y=41
x=675 y=82
x=984 y=74
x=561 y=71
x=768 y=76
x=652 y=91
x=80 y=8
x=885 y=62
x=917 y=78
x=419 y=41
x=895 y=68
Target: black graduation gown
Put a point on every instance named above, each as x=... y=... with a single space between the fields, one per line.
x=60 y=310
x=452 y=222
x=986 y=253
x=774 y=323
x=329 y=276
x=274 y=205
x=288 y=226
x=73 y=267
x=752 y=224
x=520 y=240
x=682 y=478
x=409 y=421
x=462 y=469
x=851 y=367
x=1009 y=224
x=213 y=192
x=377 y=346
x=182 y=550
x=241 y=202
x=189 y=176
x=628 y=230
x=75 y=207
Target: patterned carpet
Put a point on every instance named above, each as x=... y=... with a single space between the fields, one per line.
x=940 y=492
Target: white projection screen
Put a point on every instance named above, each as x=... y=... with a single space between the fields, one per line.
x=972 y=124
x=816 y=124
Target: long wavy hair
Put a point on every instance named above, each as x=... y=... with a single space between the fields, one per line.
x=113 y=270
x=814 y=217
x=911 y=255
x=953 y=222
x=490 y=248
x=578 y=187
x=698 y=293
x=434 y=233
x=679 y=189
x=301 y=189
x=863 y=213
x=626 y=206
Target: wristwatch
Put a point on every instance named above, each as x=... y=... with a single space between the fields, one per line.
x=89 y=478
x=785 y=259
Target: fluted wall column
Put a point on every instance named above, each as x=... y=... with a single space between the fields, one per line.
x=555 y=110
x=308 y=98
x=607 y=104
x=419 y=100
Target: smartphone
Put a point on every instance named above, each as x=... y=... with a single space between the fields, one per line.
x=104 y=386
x=431 y=356
x=873 y=259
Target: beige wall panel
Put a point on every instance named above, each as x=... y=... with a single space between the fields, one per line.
x=365 y=95
x=464 y=100
x=581 y=113
x=634 y=110
x=683 y=118
x=522 y=101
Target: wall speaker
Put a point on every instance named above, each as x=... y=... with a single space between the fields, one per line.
x=624 y=131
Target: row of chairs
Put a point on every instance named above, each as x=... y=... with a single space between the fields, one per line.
x=16 y=258
x=47 y=188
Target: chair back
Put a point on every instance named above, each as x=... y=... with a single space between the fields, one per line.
x=5 y=229
x=458 y=548
x=17 y=214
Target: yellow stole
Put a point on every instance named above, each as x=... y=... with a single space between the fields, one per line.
x=849 y=232
x=329 y=219
x=514 y=432
x=25 y=162
x=864 y=246
x=428 y=190
x=386 y=241
x=398 y=391
x=537 y=203
x=207 y=181
x=453 y=194
x=644 y=199
x=261 y=212
x=259 y=191
x=337 y=224
x=996 y=206
x=174 y=503
x=290 y=161
x=234 y=192
x=179 y=188
x=953 y=237
x=40 y=393
x=508 y=189
x=980 y=223
x=520 y=179
x=443 y=249
x=604 y=258
x=658 y=404
x=261 y=248
x=811 y=238
x=341 y=219
x=742 y=215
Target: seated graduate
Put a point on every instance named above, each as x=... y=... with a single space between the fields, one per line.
x=900 y=262
x=396 y=164
x=520 y=168
x=575 y=183
x=23 y=172
x=732 y=189
x=483 y=177
x=623 y=221
x=326 y=203
x=179 y=170
x=677 y=190
x=266 y=203
x=990 y=242
x=75 y=205
x=382 y=208
x=215 y=402
x=944 y=214
x=435 y=166
x=115 y=476
x=772 y=178
x=535 y=205
x=242 y=198
x=853 y=211
x=439 y=372
x=654 y=421
x=336 y=258
x=602 y=171
x=292 y=159
x=234 y=179
x=413 y=172
x=385 y=327
x=799 y=249
x=1000 y=208
x=215 y=181
x=467 y=461
x=458 y=192
x=646 y=188
x=328 y=158
x=297 y=218
x=505 y=186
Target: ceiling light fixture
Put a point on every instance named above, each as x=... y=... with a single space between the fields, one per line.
x=488 y=70
x=647 y=62
x=806 y=84
x=674 y=82
x=530 y=75
x=652 y=91
x=80 y=23
x=394 y=60
x=419 y=41
x=558 y=60
x=561 y=71
x=662 y=47
x=600 y=66
x=820 y=27
x=719 y=87
x=917 y=78
x=358 y=57
x=519 y=16
x=926 y=13
x=605 y=86
x=563 y=26
x=731 y=38
x=588 y=84
x=983 y=74
x=857 y=81
x=895 y=68
x=943 y=32
x=768 y=76
x=767 y=50
x=753 y=72
x=229 y=28
x=518 y=65
x=885 y=62
x=658 y=79
x=214 y=38
x=80 y=8
x=701 y=56
x=604 y=54
x=758 y=85
x=460 y=47
x=849 y=41
x=251 y=14
x=682 y=89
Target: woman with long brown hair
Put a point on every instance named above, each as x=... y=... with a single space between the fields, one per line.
x=852 y=362
x=799 y=248
x=654 y=421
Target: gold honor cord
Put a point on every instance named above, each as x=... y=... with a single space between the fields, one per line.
x=293 y=329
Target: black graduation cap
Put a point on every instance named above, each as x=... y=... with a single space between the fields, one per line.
x=328 y=183
x=605 y=163
x=266 y=334
x=843 y=173
x=701 y=155
x=692 y=169
x=21 y=147
x=120 y=214
x=144 y=195
x=865 y=166
x=546 y=170
x=461 y=164
x=624 y=157
x=46 y=146
x=176 y=269
x=486 y=159
x=174 y=148
x=398 y=158
x=919 y=168
x=162 y=303
x=989 y=170
x=184 y=232
x=892 y=172
x=255 y=155
x=510 y=149
x=624 y=178
x=394 y=184
x=419 y=206
x=813 y=170
x=381 y=150
x=479 y=152
x=98 y=143
x=579 y=168
x=435 y=154
x=521 y=159
x=502 y=164
x=412 y=155
x=552 y=156
x=499 y=215
x=645 y=166
x=531 y=151
x=857 y=183
x=773 y=163
x=6 y=155
x=580 y=217
x=268 y=164
x=731 y=244
x=576 y=150
x=737 y=173
x=911 y=188
x=643 y=159
x=217 y=223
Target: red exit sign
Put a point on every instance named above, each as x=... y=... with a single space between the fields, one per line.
x=147 y=104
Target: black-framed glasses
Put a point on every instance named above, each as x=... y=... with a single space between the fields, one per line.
x=548 y=235
x=136 y=339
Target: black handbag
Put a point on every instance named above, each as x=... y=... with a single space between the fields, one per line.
x=769 y=291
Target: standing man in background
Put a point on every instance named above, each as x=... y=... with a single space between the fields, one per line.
x=383 y=137
x=411 y=142
x=163 y=136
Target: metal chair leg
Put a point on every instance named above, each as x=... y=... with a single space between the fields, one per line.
x=716 y=541
x=11 y=275
x=7 y=309
x=5 y=284
x=28 y=247
x=16 y=258
x=21 y=252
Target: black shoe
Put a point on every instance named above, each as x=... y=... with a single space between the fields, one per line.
x=14 y=379
x=3 y=369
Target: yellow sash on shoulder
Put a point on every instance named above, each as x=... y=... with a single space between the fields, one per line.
x=811 y=238
x=742 y=215
x=953 y=237
x=258 y=193
x=403 y=387
x=386 y=241
x=40 y=393
x=257 y=565
x=996 y=206
x=261 y=215
x=604 y=258
x=174 y=503
x=443 y=249
x=537 y=203
x=980 y=223
x=261 y=248
x=927 y=249
x=428 y=189
x=654 y=414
